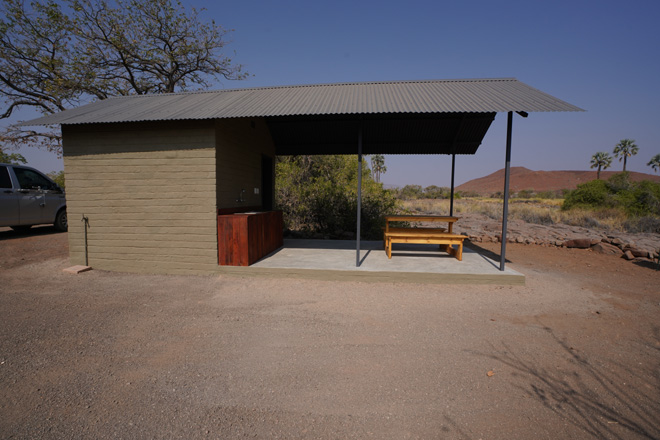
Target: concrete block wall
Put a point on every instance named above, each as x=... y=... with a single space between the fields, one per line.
x=240 y=145
x=149 y=192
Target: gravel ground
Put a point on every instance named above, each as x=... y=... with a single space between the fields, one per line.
x=573 y=354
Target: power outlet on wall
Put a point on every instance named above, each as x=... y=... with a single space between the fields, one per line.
x=256 y=191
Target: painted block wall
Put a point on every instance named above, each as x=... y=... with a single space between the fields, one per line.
x=149 y=192
x=240 y=145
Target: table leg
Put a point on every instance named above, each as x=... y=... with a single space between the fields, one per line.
x=387 y=229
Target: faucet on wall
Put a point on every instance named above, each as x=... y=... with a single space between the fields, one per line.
x=240 y=196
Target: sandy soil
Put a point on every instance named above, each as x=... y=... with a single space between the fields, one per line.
x=573 y=354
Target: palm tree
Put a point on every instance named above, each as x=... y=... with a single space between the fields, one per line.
x=601 y=160
x=654 y=162
x=625 y=149
x=378 y=166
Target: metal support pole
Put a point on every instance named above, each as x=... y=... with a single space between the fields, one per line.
x=359 y=198
x=461 y=124
x=453 y=168
x=507 y=175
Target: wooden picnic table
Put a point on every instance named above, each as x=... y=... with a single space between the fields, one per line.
x=442 y=236
x=421 y=218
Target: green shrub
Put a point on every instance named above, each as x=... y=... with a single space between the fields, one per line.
x=590 y=194
x=436 y=192
x=58 y=177
x=13 y=158
x=525 y=194
x=636 y=199
x=318 y=194
x=645 y=199
x=619 y=182
x=410 y=192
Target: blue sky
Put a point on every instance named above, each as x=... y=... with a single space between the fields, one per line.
x=599 y=55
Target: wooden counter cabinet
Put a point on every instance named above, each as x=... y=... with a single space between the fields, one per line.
x=246 y=237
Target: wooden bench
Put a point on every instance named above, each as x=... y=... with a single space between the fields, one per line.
x=425 y=236
x=429 y=230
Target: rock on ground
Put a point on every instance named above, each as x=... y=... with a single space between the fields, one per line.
x=482 y=229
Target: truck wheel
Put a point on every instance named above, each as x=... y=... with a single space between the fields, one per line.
x=61 y=223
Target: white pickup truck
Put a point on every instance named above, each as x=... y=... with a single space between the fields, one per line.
x=28 y=198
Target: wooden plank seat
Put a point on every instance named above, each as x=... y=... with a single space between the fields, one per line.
x=424 y=236
x=429 y=230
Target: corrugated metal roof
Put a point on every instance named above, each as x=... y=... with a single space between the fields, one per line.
x=412 y=97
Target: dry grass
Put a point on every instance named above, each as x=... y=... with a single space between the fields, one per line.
x=536 y=211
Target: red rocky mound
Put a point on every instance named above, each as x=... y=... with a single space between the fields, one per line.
x=538 y=181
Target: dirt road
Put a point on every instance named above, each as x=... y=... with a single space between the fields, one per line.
x=573 y=354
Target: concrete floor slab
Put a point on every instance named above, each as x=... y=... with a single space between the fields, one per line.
x=336 y=260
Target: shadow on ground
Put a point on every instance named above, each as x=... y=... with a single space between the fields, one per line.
x=10 y=234
x=655 y=265
x=593 y=396
x=485 y=252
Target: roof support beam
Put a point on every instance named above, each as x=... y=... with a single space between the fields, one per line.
x=507 y=176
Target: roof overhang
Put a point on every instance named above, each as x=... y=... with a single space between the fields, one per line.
x=403 y=117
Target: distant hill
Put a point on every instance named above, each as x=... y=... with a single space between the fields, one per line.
x=524 y=179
